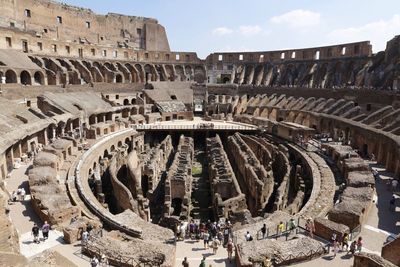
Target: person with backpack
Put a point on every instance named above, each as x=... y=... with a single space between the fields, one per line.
x=263 y=230
x=35 y=233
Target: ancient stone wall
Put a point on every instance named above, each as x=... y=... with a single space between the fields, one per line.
x=390 y=251
x=371 y=260
x=255 y=182
x=227 y=196
x=179 y=181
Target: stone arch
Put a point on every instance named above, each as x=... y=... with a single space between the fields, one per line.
x=106 y=154
x=150 y=73
x=39 y=78
x=119 y=144
x=180 y=73
x=126 y=102
x=25 y=78
x=119 y=78
x=170 y=72
x=11 y=76
x=112 y=148
x=199 y=74
x=73 y=77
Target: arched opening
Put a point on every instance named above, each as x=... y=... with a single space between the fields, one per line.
x=177 y=206
x=133 y=101
x=112 y=149
x=118 y=78
x=364 y=150
x=11 y=76
x=126 y=102
x=39 y=78
x=25 y=78
x=106 y=154
x=226 y=80
x=145 y=185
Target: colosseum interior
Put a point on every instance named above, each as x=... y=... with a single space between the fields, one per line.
x=106 y=131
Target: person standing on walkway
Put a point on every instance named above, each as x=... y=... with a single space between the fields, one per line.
x=94 y=262
x=335 y=247
x=395 y=183
x=85 y=238
x=345 y=241
x=23 y=193
x=353 y=247
x=185 y=262
x=203 y=262
x=35 y=233
x=263 y=230
x=248 y=236
x=229 y=248
x=359 y=244
x=215 y=245
x=281 y=228
x=206 y=238
x=45 y=230
x=292 y=225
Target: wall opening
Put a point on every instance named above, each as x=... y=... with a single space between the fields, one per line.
x=25 y=78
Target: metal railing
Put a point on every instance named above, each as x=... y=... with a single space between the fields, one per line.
x=211 y=126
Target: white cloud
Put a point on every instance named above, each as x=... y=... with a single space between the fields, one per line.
x=249 y=30
x=378 y=32
x=222 y=31
x=298 y=18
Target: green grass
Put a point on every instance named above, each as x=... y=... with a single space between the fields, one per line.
x=197 y=170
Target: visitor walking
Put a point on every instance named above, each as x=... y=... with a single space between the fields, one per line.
x=94 y=262
x=335 y=247
x=359 y=244
x=248 y=236
x=281 y=228
x=267 y=262
x=185 y=262
x=263 y=230
x=35 y=233
x=45 y=230
x=229 y=248
x=215 y=245
x=206 y=238
x=345 y=241
x=292 y=225
x=203 y=262
x=353 y=247
x=85 y=238
x=395 y=183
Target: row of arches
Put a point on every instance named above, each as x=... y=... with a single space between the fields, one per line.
x=23 y=77
x=71 y=71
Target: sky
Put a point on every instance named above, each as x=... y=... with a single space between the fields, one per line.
x=207 y=26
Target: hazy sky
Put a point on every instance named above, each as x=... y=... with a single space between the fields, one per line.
x=206 y=26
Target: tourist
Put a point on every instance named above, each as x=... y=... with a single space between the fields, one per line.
x=392 y=204
x=335 y=247
x=248 y=236
x=281 y=228
x=267 y=262
x=359 y=244
x=375 y=174
x=263 y=230
x=94 y=262
x=35 y=233
x=226 y=234
x=203 y=262
x=353 y=247
x=84 y=238
x=185 y=262
x=292 y=225
x=23 y=193
x=310 y=227
x=229 y=248
x=345 y=241
x=45 y=230
x=333 y=238
x=394 y=185
x=206 y=238
x=14 y=196
x=19 y=193
x=104 y=260
x=215 y=244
